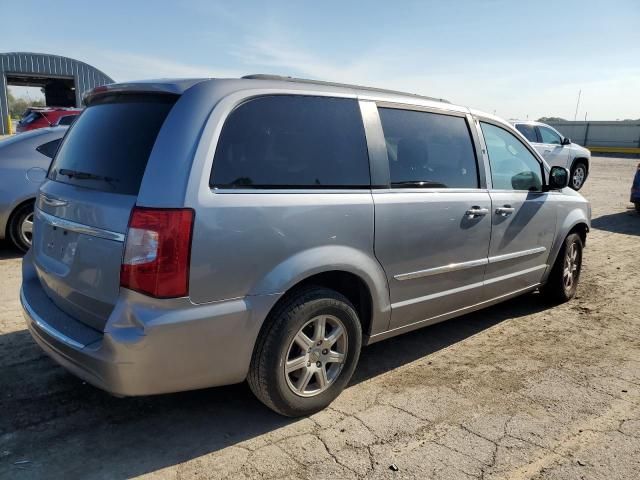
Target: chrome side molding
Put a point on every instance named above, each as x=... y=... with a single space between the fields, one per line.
x=444 y=293
x=78 y=227
x=452 y=267
x=523 y=253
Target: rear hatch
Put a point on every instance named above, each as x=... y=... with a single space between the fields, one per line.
x=84 y=206
x=28 y=118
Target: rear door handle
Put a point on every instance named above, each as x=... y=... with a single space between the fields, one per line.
x=476 y=212
x=505 y=211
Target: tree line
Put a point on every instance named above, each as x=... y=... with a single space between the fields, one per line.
x=18 y=105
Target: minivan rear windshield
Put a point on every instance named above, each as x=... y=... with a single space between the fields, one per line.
x=109 y=145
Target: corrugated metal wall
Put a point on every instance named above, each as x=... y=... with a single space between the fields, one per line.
x=85 y=76
x=601 y=134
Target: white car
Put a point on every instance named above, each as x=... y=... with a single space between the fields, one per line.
x=557 y=150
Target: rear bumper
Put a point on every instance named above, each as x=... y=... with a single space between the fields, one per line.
x=150 y=348
x=79 y=359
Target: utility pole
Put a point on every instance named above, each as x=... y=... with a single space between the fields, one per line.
x=575 y=115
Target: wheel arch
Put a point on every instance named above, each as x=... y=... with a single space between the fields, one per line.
x=346 y=270
x=584 y=160
x=576 y=222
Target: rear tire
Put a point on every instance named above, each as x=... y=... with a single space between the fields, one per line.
x=563 y=280
x=578 y=175
x=288 y=378
x=21 y=226
x=637 y=204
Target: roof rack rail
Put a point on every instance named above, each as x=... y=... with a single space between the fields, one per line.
x=263 y=76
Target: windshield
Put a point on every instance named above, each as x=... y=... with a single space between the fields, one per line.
x=109 y=145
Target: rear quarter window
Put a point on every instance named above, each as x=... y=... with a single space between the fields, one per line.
x=285 y=141
x=109 y=145
x=49 y=149
x=528 y=131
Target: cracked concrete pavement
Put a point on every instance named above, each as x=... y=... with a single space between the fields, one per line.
x=519 y=391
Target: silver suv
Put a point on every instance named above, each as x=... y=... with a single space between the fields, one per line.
x=202 y=232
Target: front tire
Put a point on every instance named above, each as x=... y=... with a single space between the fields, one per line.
x=306 y=353
x=637 y=205
x=562 y=283
x=21 y=226
x=578 y=175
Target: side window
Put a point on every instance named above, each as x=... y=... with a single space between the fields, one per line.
x=286 y=141
x=49 y=149
x=513 y=167
x=67 y=120
x=528 y=131
x=549 y=136
x=428 y=150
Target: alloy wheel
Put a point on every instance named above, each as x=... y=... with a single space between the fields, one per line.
x=579 y=176
x=316 y=356
x=571 y=267
x=26 y=229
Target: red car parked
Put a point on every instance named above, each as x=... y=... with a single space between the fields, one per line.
x=39 y=117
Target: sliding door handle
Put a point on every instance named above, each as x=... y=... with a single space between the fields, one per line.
x=476 y=212
x=505 y=211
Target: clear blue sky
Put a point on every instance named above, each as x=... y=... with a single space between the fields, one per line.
x=516 y=58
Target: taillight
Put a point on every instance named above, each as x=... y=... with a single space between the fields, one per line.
x=156 y=256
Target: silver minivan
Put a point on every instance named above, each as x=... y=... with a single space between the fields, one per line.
x=197 y=233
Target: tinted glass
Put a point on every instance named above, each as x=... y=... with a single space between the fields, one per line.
x=292 y=141
x=549 y=136
x=513 y=167
x=29 y=117
x=528 y=131
x=49 y=149
x=109 y=146
x=67 y=120
x=428 y=150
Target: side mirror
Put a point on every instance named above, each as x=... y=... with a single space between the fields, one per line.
x=566 y=141
x=558 y=178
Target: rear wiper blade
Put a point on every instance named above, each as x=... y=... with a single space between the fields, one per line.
x=84 y=175
x=415 y=183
